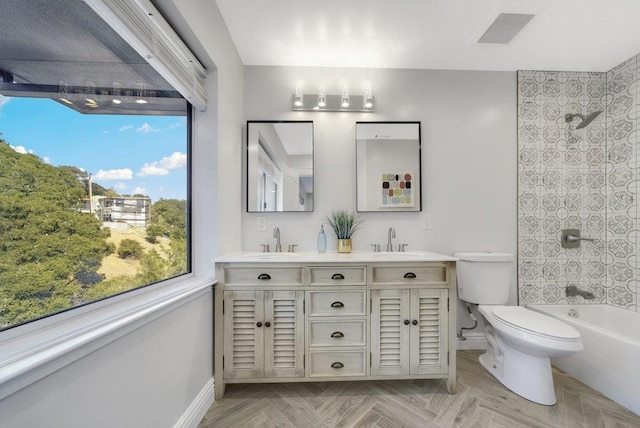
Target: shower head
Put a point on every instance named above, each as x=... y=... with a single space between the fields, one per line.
x=585 y=119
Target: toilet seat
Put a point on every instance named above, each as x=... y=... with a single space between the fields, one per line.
x=535 y=323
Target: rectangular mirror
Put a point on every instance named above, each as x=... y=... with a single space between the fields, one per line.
x=388 y=166
x=279 y=166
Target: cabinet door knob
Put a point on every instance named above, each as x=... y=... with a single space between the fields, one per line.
x=337 y=365
x=264 y=276
x=409 y=275
x=337 y=276
x=406 y=322
x=414 y=322
x=337 y=334
x=337 y=305
x=268 y=324
x=258 y=324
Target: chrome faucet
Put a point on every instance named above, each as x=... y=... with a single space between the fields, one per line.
x=391 y=234
x=276 y=234
x=573 y=290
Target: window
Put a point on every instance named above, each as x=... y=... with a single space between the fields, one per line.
x=94 y=165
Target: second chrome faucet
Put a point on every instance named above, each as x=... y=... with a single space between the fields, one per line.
x=276 y=234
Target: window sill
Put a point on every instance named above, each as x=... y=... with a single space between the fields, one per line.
x=30 y=352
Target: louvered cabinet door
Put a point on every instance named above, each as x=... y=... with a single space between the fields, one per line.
x=243 y=334
x=389 y=333
x=284 y=334
x=429 y=332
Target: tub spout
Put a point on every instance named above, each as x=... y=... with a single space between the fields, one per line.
x=573 y=290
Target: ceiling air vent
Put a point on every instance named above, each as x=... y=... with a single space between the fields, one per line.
x=505 y=27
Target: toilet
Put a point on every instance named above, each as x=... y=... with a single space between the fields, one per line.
x=520 y=341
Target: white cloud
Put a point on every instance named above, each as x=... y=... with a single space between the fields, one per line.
x=164 y=165
x=21 y=149
x=152 y=169
x=176 y=160
x=139 y=191
x=46 y=159
x=126 y=128
x=146 y=128
x=115 y=174
x=174 y=125
x=120 y=186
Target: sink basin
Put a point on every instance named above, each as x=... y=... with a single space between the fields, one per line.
x=271 y=256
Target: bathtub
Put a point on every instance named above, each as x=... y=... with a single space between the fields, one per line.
x=611 y=356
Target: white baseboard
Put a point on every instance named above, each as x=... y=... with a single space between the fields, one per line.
x=198 y=408
x=475 y=340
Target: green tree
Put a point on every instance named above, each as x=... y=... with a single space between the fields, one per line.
x=168 y=218
x=45 y=244
x=130 y=249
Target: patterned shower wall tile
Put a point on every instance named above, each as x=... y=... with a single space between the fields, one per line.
x=595 y=202
x=572 y=179
x=573 y=270
x=529 y=157
x=595 y=134
x=551 y=134
x=573 y=156
x=529 y=271
x=621 y=296
x=620 y=248
x=620 y=153
x=529 y=248
x=595 y=155
x=620 y=224
x=551 y=111
x=620 y=200
x=528 y=87
x=551 y=157
x=529 y=110
x=621 y=177
x=551 y=271
x=529 y=225
x=552 y=294
x=620 y=129
x=596 y=270
x=595 y=87
x=573 y=202
x=528 y=135
x=621 y=80
x=620 y=271
x=529 y=294
x=528 y=202
x=595 y=224
x=573 y=88
x=595 y=179
x=551 y=246
x=529 y=179
x=621 y=106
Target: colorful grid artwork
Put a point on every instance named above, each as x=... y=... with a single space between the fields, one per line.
x=397 y=190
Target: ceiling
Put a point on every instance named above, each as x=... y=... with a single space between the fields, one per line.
x=577 y=35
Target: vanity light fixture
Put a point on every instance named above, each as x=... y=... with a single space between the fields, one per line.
x=332 y=103
x=322 y=98
x=345 y=98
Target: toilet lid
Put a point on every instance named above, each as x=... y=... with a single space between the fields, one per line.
x=535 y=322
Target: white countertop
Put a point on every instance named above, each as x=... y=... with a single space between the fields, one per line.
x=332 y=257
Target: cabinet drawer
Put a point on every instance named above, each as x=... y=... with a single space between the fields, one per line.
x=430 y=274
x=263 y=276
x=337 y=303
x=346 y=275
x=337 y=333
x=339 y=363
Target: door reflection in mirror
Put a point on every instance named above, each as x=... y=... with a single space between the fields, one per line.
x=279 y=166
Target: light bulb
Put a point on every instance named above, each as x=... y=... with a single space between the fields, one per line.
x=345 y=98
x=322 y=98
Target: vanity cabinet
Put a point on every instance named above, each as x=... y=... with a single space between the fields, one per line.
x=327 y=320
x=264 y=334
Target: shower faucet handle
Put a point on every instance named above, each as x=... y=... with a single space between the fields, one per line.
x=570 y=238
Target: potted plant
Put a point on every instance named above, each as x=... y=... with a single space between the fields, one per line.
x=344 y=224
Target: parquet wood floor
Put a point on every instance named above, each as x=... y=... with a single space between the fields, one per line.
x=481 y=402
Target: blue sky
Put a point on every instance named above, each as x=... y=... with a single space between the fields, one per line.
x=131 y=154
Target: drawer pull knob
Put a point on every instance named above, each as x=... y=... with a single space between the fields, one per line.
x=337 y=334
x=409 y=275
x=337 y=276
x=264 y=276
x=258 y=324
x=406 y=322
x=414 y=322
x=337 y=305
x=337 y=365
x=268 y=324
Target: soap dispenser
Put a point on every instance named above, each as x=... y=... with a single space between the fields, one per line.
x=322 y=240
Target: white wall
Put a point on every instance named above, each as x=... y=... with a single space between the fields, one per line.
x=469 y=155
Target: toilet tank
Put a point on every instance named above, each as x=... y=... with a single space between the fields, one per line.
x=484 y=278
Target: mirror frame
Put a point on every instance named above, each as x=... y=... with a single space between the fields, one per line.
x=395 y=209
x=247 y=166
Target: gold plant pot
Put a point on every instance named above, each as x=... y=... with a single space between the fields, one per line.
x=344 y=245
